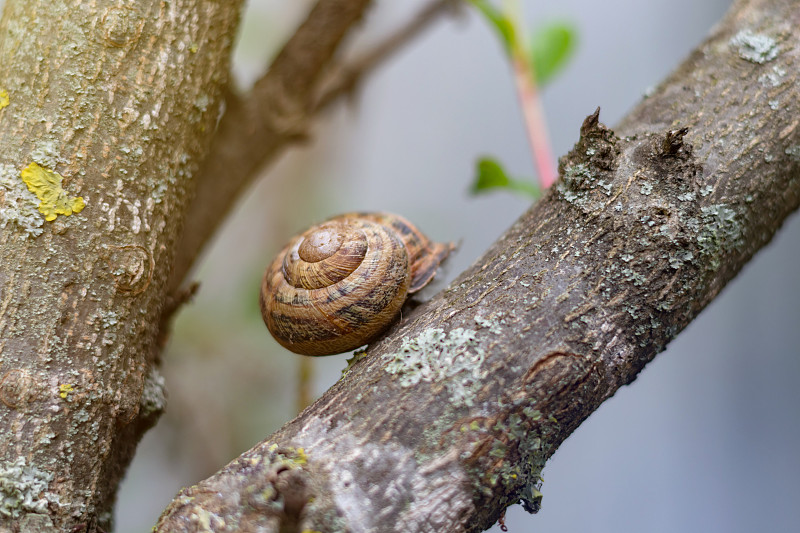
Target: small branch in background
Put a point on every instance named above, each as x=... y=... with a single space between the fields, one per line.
x=345 y=79
x=305 y=381
x=279 y=112
x=535 y=57
x=526 y=83
x=535 y=123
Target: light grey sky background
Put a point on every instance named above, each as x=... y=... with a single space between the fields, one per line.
x=706 y=439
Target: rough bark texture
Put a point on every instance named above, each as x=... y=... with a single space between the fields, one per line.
x=119 y=99
x=450 y=418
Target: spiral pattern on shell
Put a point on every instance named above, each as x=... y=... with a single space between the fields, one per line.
x=341 y=283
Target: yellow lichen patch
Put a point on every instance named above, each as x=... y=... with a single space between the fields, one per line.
x=64 y=389
x=301 y=458
x=46 y=185
x=4 y=99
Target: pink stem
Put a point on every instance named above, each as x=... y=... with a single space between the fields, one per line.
x=534 y=122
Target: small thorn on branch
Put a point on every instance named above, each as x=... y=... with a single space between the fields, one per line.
x=591 y=123
x=673 y=141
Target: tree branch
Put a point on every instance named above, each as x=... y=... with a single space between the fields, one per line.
x=450 y=418
x=345 y=78
x=114 y=101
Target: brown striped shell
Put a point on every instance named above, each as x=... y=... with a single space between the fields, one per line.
x=342 y=283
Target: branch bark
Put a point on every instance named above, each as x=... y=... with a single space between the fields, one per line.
x=119 y=100
x=450 y=418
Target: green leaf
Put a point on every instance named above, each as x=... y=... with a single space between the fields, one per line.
x=491 y=175
x=551 y=47
x=501 y=23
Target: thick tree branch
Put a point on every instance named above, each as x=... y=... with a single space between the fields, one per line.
x=280 y=110
x=117 y=100
x=450 y=418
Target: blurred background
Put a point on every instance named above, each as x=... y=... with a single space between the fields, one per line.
x=706 y=439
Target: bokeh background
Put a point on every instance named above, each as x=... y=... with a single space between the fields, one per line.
x=706 y=439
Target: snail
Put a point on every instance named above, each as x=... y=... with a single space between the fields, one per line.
x=340 y=284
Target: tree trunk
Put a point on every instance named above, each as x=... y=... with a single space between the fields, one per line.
x=450 y=417
x=120 y=101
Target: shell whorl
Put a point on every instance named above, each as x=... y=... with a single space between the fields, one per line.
x=341 y=283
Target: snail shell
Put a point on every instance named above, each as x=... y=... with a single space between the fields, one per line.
x=341 y=283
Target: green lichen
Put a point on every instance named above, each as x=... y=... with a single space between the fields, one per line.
x=46 y=185
x=435 y=356
x=793 y=152
x=23 y=489
x=531 y=413
x=154 y=397
x=498 y=450
x=678 y=258
x=17 y=204
x=773 y=78
x=516 y=455
x=531 y=497
x=108 y=318
x=755 y=47
x=46 y=153
x=579 y=172
x=493 y=322
x=720 y=231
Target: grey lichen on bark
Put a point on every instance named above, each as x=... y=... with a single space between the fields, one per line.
x=450 y=418
x=120 y=100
